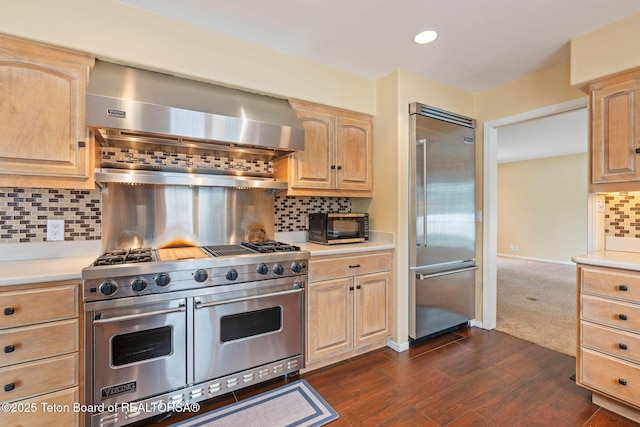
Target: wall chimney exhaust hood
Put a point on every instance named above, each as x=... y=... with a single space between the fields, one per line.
x=138 y=109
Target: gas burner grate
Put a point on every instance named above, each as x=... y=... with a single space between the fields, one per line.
x=227 y=250
x=270 y=246
x=124 y=256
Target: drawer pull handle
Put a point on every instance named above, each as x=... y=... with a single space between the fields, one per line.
x=623 y=288
x=9 y=387
x=9 y=311
x=622 y=316
x=9 y=348
x=354 y=266
x=622 y=346
x=622 y=381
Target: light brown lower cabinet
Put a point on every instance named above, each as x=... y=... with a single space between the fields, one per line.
x=40 y=355
x=608 y=353
x=47 y=410
x=347 y=306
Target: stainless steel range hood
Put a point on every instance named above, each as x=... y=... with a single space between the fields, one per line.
x=138 y=109
x=129 y=104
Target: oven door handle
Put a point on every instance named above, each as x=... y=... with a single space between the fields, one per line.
x=181 y=308
x=200 y=304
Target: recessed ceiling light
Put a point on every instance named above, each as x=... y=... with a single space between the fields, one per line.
x=425 y=37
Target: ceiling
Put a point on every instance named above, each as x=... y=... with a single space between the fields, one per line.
x=557 y=135
x=482 y=43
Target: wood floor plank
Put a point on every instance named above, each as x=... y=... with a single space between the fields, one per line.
x=472 y=419
x=467 y=395
x=409 y=418
x=563 y=409
x=469 y=377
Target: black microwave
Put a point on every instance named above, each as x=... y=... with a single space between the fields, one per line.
x=336 y=228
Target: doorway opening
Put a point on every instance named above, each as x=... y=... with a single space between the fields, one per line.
x=490 y=200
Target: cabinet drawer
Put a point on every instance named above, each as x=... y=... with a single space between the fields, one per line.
x=53 y=409
x=612 y=376
x=612 y=341
x=41 y=376
x=620 y=284
x=27 y=343
x=39 y=305
x=613 y=313
x=329 y=268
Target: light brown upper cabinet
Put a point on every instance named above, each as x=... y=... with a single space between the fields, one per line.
x=44 y=140
x=337 y=159
x=615 y=132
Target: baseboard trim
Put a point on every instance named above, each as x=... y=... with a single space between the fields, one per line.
x=615 y=406
x=553 y=261
x=397 y=347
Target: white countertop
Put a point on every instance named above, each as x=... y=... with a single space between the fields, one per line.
x=24 y=263
x=613 y=259
x=43 y=270
x=379 y=241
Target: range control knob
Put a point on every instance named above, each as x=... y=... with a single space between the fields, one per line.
x=296 y=267
x=278 y=269
x=262 y=268
x=200 y=275
x=232 y=274
x=108 y=287
x=139 y=284
x=163 y=279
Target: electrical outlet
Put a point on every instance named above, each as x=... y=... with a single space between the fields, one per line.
x=55 y=229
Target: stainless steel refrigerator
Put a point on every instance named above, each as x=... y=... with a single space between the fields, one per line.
x=442 y=221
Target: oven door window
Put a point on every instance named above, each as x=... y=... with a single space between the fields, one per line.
x=141 y=345
x=249 y=324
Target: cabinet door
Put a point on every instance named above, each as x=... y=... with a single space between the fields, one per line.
x=329 y=318
x=371 y=307
x=615 y=110
x=314 y=166
x=353 y=154
x=42 y=116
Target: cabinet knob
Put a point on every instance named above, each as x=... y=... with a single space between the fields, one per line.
x=623 y=288
x=622 y=346
x=339 y=168
x=9 y=348
x=622 y=316
x=350 y=288
x=81 y=144
x=637 y=150
x=9 y=387
x=622 y=381
x=333 y=167
x=359 y=287
x=9 y=311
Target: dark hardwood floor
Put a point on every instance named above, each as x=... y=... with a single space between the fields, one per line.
x=469 y=377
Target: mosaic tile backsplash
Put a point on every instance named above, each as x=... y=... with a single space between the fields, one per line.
x=119 y=157
x=622 y=214
x=24 y=213
x=291 y=212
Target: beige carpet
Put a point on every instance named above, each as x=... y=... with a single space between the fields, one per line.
x=537 y=302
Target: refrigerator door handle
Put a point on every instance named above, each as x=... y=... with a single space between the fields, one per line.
x=420 y=276
x=421 y=145
x=451 y=264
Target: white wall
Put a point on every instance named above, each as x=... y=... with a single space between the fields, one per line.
x=117 y=32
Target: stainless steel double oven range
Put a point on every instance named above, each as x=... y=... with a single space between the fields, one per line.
x=161 y=335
